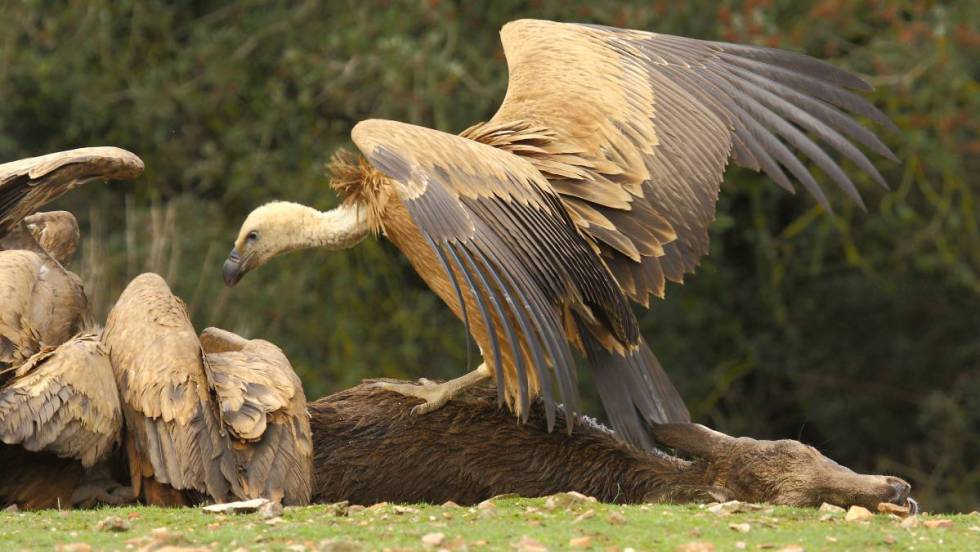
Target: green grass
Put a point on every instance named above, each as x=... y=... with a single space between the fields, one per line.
x=648 y=527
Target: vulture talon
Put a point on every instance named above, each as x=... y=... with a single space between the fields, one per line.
x=435 y=395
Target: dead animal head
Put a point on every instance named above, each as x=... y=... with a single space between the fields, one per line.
x=779 y=472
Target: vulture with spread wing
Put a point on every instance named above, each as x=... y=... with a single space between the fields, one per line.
x=592 y=185
x=224 y=421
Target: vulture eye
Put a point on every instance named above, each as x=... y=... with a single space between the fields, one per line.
x=252 y=236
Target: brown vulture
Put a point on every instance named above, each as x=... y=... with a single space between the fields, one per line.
x=592 y=185
x=231 y=423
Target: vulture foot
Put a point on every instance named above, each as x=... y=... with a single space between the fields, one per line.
x=436 y=395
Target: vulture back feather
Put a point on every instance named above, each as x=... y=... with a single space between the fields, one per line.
x=43 y=305
x=263 y=408
x=173 y=430
x=63 y=401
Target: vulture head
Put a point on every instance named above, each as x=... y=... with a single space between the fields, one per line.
x=57 y=233
x=280 y=227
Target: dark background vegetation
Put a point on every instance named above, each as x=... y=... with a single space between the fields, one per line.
x=856 y=332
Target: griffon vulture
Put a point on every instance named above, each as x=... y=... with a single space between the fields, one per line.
x=229 y=424
x=59 y=417
x=592 y=185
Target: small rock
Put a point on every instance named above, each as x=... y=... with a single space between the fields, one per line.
x=486 y=505
x=910 y=522
x=858 y=513
x=270 y=510
x=74 y=547
x=740 y=527
x=433 y=540
x=336 y=545
x=740 y=545
x=450 y=504
x=792 y=548
x=697 y=546
x=831 y=540
x=580 y=542
x=588 y=514
x=113 y=524
x=616 y=518
x=889 y=508
x=240 y=507
x=377 y=507
x=938 y=523
x=527 y=544
x=828 y=508
x=566 y=500
x=888 y=539
x=12 y=509
x=355 y=508
x=732 y=507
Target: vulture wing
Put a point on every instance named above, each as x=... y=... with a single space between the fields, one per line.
x=264 y=410
x=64 y=401
x=173 y=429
x=634 y=131
x=506 y=242
x=42 y=305
x=27 y=184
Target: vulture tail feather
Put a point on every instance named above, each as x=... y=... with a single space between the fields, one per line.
x=635 y=391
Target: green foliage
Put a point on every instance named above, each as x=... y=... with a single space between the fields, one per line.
x=857 y=331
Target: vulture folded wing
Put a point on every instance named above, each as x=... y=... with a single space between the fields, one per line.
x=634 y=130
x=42 y=304
x=64 y=401
x=263 y=408
x=173 y=428
x=502 y=236
x=27 y=184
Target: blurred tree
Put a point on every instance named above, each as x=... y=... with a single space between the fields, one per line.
x=859 y=332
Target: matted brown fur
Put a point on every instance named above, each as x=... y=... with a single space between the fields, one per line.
x=370 y=449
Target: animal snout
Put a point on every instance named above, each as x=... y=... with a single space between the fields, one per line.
x=899 y=490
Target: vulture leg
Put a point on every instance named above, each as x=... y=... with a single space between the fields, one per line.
x=436 y=395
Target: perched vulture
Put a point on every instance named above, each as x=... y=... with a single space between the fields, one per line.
x=592 y=185
x=41 y=305
x=195 y=431
x=27 y=184
x=59 y=416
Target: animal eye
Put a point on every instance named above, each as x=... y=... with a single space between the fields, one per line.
x=252 y=236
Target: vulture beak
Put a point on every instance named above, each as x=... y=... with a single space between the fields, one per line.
x=232 y=270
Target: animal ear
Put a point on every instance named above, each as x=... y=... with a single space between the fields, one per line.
x=694 y=439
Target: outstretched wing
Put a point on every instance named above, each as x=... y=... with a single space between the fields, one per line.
x=263 y=407
x=502 y=236
x=173 y=430
x=635 y=129
x=28 y=184
x=64 y=401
